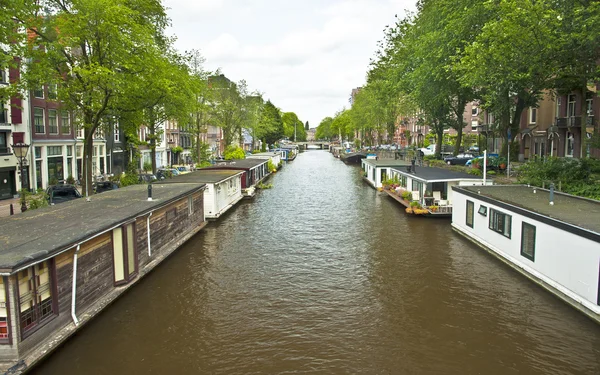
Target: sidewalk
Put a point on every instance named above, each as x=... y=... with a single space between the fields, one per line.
x=5 y=206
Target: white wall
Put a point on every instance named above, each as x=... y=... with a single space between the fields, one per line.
x=228 y=192
x=564 y=260
x=209 y=201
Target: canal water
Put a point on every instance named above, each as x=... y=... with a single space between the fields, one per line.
x=323 y=275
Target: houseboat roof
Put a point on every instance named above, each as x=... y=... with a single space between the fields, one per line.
x=263 y=154
x=432 y=174
x=35 y=235
x=580 y=212
x=245 y=164
x=386 y=162
x=202 y=176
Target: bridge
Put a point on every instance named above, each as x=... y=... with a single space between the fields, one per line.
x=323 y=145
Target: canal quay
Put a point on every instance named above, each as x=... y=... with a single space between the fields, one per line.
x=322 y=274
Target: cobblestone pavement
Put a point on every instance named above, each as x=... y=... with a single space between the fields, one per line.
x=5 y=207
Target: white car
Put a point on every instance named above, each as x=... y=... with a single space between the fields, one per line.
x=429 y=150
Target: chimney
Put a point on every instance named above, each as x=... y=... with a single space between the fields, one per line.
x=149 y=192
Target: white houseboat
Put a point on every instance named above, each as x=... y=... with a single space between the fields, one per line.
x=430 y=187
x=254 y=171
x=375 y=172
x=275 y=157
x=552 y=238
x=223 y=189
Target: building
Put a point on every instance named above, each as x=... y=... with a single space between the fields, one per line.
x=551 y=238
x=375 y=172
x=14 y=120
x=54 y=279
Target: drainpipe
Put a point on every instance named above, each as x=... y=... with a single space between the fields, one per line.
x=148 y=230
x=74 y=289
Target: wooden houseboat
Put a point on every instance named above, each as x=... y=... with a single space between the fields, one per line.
x=375 y=172
x=223 y=189
x=430 y=188
x=61 y=265
x=254 y=171
x=551 y=238
x=288 y=152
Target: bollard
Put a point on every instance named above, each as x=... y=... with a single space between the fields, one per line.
x=552 y=194
x=12 y=209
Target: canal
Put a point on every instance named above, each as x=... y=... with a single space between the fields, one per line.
x=323 y=275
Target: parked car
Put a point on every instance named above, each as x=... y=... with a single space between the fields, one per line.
x=429 y=150
x=183 y=169
x=147 y=178
x=460 y=159
x=174 y=171
x=100 y=187
x=62 y=193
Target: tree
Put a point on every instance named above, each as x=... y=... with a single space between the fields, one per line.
x=292 y=127
x=306 y=127
x=228 y=106
x=201 y=99
x=90 y=49
x=271 y=124
x=324 y=129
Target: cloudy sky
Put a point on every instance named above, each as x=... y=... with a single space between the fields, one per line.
x=305 y=56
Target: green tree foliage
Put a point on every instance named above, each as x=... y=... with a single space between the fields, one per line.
x=271 y=124
x=306 y=126
x=324 y=129
x=234 y=152
x=90 y=49
x=228 y=106
x=292 y=127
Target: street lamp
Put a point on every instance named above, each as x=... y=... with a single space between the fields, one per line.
x=20 y=150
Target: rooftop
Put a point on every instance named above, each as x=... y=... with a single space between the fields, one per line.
x=386 y=162
x=202 y=176
x=35 y=234
x=237 y=164
x=263 y=154
x=581 y=212
x=437 y=174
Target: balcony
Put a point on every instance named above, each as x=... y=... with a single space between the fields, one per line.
x=485 y=128
x=570 y=122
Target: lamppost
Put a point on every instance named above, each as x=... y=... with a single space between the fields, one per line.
x=20 y=150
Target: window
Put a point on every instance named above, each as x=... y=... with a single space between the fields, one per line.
x=38 y=152
x=190 y=205
x=39 y=92
x=52 y=121
x=65 y=127
x=116 y=133
x=482 y=210
x=532 y=115
x=3 y=114
x=500 y=222
x=570 y=144
x=3 y=146
x=571 y=106
x=125 y=260
x=470 y=213
x=52 y=91
x=38 y=120
x=4 y=319
x=474 y=111
x=54 y=151
x=3 y=76
x=558 y=103
x=528 y=241
x=36 y=296
x=69 y=150
x=589 y=110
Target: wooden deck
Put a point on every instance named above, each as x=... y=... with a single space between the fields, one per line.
x=441 y=211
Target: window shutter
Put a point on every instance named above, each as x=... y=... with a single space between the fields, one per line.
x=16 y=114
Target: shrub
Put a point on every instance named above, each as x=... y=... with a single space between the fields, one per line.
x=70 y=180
x=264 y=186
x=53 y=181
x=127 y=179
x=407 y=195
x=234 y=153
x=415 y=204
x=475 y=171
x=203 y=164
x=147 y=166
x=271 y=166
x=34 y=200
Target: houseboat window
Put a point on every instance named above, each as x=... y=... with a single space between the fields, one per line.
x=528 y=241
x=482 y=210
x=125 y=261
x=4 y=327
x=190 y=205
x=36 y=296
x=470 y=213
x=500 y=222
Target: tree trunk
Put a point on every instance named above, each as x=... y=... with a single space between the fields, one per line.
x=88 y=151
x=439 y=136
x=459 y=134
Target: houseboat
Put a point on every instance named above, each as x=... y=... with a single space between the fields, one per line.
x=223 y=189
x=375 y=172
x=62 y=265
x=353 y=157
x=254 y=171
x=551 y=238
x=288 y=152
x=274 y=157
x=428 y=190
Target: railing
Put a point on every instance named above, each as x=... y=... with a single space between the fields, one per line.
x=572 y=121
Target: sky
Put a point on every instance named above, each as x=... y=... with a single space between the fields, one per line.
x=305 y=56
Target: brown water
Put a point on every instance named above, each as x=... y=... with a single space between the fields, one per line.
x=323 y=275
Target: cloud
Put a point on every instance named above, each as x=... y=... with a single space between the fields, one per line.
x=305 y=56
